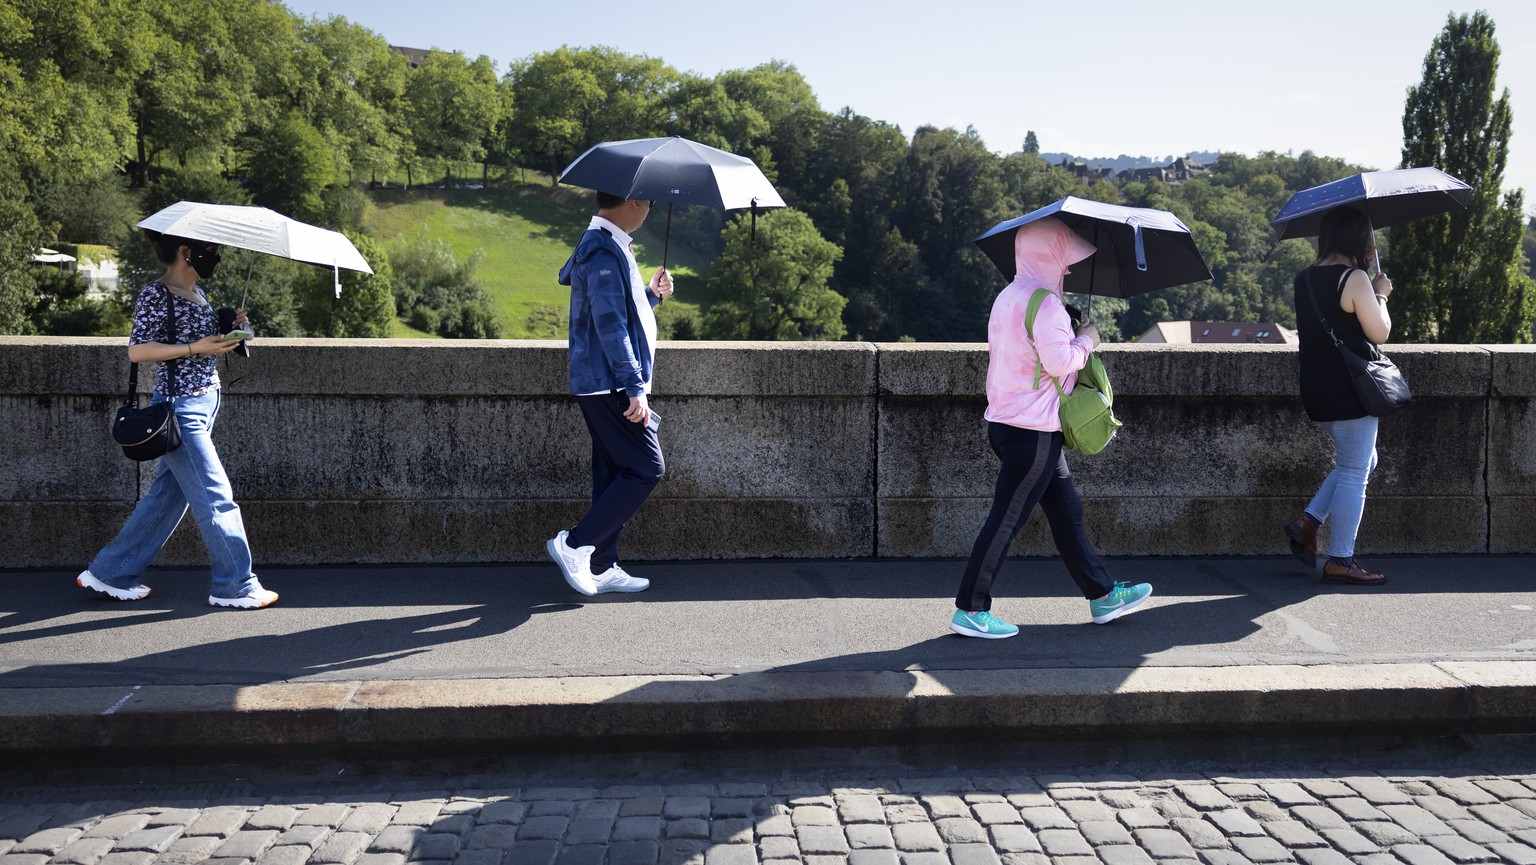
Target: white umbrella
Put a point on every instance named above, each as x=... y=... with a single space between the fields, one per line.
x=260 y=230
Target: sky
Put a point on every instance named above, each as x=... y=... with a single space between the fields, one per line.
x=1097 y=79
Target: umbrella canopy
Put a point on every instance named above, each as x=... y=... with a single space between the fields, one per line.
x=1139 y=249
x=260 y=230
x=1386 y=197
x=674 y=170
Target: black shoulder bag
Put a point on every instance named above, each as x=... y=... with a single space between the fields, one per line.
x=151 y=431
x=1377 y=381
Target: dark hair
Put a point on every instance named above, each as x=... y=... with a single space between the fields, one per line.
x=606 y=200
x=165 y=245
x=1346 y=231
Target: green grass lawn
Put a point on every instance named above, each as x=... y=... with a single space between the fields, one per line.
x=526 y=233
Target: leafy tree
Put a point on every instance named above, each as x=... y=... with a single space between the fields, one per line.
x=63 y=97
x=1030 y=183
x=701 y=110
x=188 y=101
x=357 y=100
x=290 y=167
x=1031 y=143
x=20 y=235
x=776 y=286
x=953 y=190
x=1457 y=275
x=86 y=209
x=501 y=149
x=454 y=105
x=59 y=307
x=572 y=98
x=850 y=192
x=1528 y=247
x=781 y=96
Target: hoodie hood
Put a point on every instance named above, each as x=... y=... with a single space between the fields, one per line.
x=1042 y=252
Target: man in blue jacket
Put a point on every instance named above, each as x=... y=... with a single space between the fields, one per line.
x=612 y=351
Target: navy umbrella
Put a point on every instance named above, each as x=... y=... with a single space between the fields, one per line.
x=1386 y=198
x=675 y=170
x=1139 y=249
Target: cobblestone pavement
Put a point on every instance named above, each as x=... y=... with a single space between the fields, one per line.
x=887 y=815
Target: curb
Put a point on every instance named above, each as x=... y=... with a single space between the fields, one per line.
x=421 y=718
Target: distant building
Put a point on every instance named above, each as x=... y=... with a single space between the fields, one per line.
x=1173 y=173
x=101 y=276
x=1082 y=170
x=1187 y=332
x=414 y=57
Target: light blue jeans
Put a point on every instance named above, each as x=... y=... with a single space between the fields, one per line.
x=190 y=476
x=1342 y=494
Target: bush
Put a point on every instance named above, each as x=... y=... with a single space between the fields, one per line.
x=438 y=293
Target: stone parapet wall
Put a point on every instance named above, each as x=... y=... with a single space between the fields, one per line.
x=470 y=451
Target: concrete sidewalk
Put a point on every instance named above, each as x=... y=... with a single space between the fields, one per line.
x=403 y=660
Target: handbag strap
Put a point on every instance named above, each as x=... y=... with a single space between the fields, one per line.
x=1323 y=319
x=170 y=374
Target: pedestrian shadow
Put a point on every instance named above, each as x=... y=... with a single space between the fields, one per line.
x=320 y=628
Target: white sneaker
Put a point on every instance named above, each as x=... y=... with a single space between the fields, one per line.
x=616 y=579
x=254 y=599
x=87 y=580
x=575 y=564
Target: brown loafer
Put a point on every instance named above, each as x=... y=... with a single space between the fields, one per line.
x=1302 y=536
x=1354 y=575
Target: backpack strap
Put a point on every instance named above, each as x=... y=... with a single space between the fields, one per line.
x=1035 y=300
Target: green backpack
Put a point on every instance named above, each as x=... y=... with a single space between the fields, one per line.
x=1088 y=412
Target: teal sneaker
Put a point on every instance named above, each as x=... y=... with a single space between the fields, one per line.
x=1121 y=600
x=983 y=625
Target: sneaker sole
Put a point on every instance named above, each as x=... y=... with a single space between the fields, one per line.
x=241 y=603
x=628 y=590
x=985 y=635
x=570 y=580
x=112 y=592
x=1110 y=617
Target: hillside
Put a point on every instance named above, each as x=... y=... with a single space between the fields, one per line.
x=526 y=233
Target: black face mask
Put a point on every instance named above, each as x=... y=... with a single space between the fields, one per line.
x=203 y=260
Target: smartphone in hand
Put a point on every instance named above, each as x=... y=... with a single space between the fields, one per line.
x=237 y=335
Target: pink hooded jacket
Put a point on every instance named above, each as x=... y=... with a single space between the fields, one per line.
x=1042 y=252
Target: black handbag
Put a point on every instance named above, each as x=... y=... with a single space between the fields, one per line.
x=150 y=431
x=1377 y=381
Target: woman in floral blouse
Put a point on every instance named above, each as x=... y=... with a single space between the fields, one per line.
x=191 y=476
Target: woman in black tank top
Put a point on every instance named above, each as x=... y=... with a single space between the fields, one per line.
x=1355 y=307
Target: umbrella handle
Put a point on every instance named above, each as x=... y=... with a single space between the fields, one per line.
x=1374 y=248
x=245 y=292
x=666 y=243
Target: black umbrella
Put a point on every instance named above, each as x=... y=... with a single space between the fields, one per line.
x=674 y=170
x=1139 y=249
x=1386 y=198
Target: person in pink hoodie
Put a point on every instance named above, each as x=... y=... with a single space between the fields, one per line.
x=1024 y=430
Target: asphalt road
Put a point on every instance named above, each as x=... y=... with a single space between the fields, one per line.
x=521 y=621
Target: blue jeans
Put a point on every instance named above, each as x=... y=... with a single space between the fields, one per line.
x=190 y=476
x=1342 y=494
